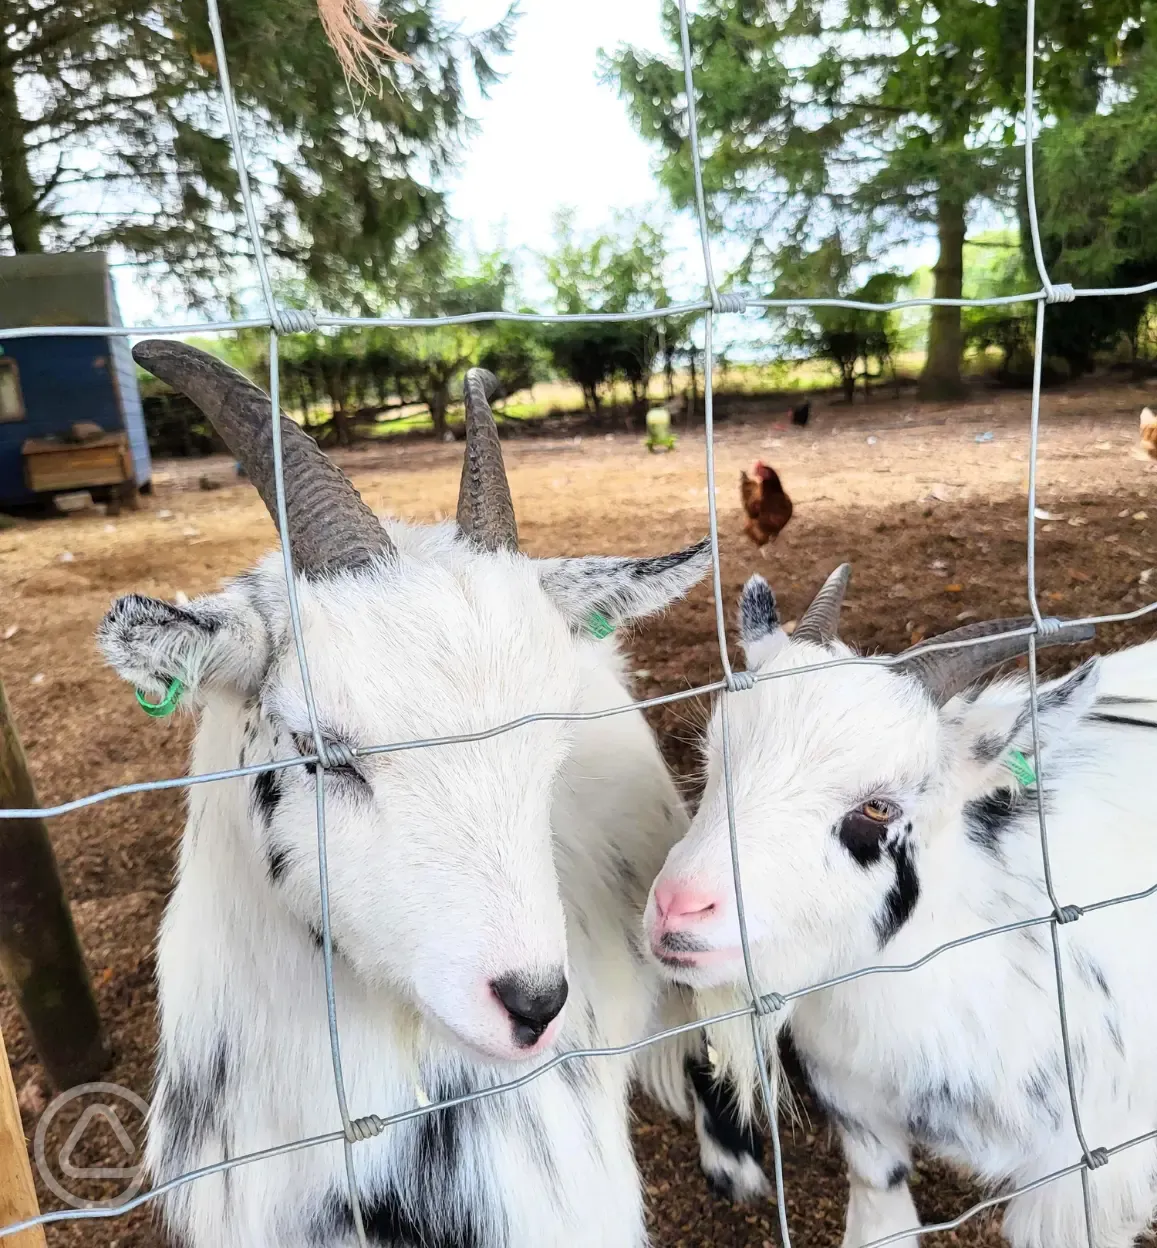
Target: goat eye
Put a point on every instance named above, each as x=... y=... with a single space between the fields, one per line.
x=862 y=836
x=879 y=812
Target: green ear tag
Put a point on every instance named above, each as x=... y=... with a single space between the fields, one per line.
x=599 y=626
x=1021 y=768
x=167 y=705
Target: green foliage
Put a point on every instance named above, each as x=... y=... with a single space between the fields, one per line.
x=846 y=338
x=345 y=184
x=864 y=118
x=1097 y=200
x=618 y=271
x=514 y=352
x=996 y=267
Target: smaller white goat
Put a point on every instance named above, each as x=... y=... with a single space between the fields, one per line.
x=883 y=811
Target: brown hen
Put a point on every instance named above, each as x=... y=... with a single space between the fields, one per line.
x=767 y=506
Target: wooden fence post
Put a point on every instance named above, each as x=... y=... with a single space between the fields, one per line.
x=17 y=1194
x=40 y=955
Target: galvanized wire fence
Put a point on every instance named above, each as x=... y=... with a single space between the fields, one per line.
x=280 y=321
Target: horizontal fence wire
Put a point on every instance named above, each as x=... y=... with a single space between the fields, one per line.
x=315 y=321
x=279 y=322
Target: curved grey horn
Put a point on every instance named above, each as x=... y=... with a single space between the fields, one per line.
x=945 y=673
x=821 y=621
x=329 y=525
x=485 y=510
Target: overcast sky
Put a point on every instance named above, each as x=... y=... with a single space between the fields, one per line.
x=552 y=136
x=549 y=136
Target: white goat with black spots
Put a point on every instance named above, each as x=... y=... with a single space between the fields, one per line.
x=883 y=811
x=486 y=897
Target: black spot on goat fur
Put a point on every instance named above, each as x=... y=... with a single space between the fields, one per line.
x=318 y=941
x=987 y=749
x=631 y=886
x=1092 y=974
x=277 y=860
x=903 y=894
x=845 y=1121
x=1042 y=1091
x=390 y=1223
x=937 y=1113
x=189 y=1104
x=898 y=1175
x=1124 y=721
x=266 y=794
x=1114 y=1029
x=988 y=819
x=721 y=1119
x=424 y=1212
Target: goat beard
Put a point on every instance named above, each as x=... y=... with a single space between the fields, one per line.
x=735 y=1056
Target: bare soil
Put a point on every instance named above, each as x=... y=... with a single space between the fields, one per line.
x=932 y=519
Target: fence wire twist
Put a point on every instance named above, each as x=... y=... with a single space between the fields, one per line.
x=280 y=321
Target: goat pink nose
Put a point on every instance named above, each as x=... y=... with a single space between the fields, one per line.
x=676 y=902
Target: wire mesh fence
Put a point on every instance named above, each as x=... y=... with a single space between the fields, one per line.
x=280 y=321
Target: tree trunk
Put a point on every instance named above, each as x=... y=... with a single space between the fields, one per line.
x=941 y=376
x=694 y=393
x=39 y=953
x=438 y=402
x=17 y=190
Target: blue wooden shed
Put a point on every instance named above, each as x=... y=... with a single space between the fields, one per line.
x=53 y=387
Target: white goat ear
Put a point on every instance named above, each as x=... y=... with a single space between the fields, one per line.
x=1060 y=708
x=760 y=632
x=621 y=588
x=218 y=641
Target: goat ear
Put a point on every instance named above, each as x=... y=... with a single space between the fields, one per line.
x=218 y=641
x=1061 y=705
x=622 y=588
x=760 y=632
x=1059 y=708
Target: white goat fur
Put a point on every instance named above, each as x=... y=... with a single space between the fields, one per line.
x=446 y=866
x=963 y=1056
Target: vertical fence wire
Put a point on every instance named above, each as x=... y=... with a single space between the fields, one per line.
x=768 y=1085
x=319 y=743
x=280 y=321
x=1061 y=914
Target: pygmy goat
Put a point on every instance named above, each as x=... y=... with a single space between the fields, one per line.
x=486 y=896
x=883 y=811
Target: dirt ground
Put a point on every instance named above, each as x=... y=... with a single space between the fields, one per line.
x=931 y=517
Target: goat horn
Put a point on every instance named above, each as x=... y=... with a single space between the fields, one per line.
x=821 y=621
x=329 y=526
x=945 y=673
x=485 y=510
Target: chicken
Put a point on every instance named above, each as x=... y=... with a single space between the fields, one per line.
x=768 y=507
x=799 y=415
x=1149 y=432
